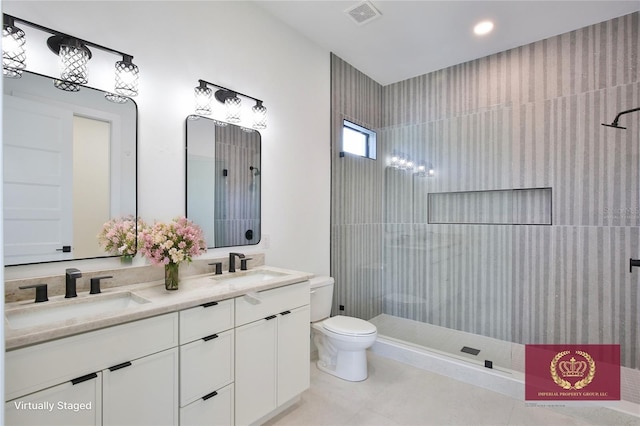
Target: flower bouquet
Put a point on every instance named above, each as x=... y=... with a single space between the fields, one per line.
x=118 y=236
x=170 y=244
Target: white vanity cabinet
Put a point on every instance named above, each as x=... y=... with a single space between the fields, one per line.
x=142 y=392
x=45 y=373
x=272 y=350
x=207 y=364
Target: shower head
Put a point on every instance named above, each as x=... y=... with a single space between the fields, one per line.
x=255 y=170
x=614 y=123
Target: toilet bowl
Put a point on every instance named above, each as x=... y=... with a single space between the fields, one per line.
x=341 y=341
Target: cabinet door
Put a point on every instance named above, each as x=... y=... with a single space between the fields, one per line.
x=293 y=353
x=205 y=365
x=255 y=380
x=143 y=391
x=215 y=409
x=65 y=405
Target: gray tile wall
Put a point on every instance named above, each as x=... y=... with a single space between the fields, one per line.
x=525 y=118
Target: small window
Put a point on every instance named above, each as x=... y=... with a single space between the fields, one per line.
x=358 y=140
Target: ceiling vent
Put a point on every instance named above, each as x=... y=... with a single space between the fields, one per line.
x=363 y=12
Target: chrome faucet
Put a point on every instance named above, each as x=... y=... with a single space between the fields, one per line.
x=232 y=260
x=71 y=274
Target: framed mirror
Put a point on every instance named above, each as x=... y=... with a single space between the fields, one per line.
x=69 y=166
x=223 y=177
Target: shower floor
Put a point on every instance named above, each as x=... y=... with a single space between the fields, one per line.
x=445 y=341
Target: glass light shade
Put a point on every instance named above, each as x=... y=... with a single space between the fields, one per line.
x=127 y=76
x=13 y=51
x=116 y=99
x=233 y=109
x=259 y=116
x=203 y=100
x=74 y=57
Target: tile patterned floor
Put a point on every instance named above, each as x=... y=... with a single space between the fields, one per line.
x=398 y=394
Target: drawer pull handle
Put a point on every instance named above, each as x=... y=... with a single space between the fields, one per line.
x=213 y=336
x=206 y=305
x=270 y=317
x=285 y=313
x=210 y=395
x=119 y=366
x=84 y=378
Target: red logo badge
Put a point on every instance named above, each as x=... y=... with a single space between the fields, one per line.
x=572 y=372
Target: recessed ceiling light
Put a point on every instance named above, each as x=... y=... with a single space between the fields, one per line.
x=484 y=27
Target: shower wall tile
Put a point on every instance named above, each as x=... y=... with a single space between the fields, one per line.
x=358 y=269
x=525 y=118
x=572 y=284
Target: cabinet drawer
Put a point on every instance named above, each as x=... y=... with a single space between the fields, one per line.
x=210 y=410
x=206 y=365
x=269 y=302
x=36 y=367
x=205 y=320
x=78 y=403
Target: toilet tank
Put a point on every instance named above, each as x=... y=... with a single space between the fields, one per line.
x=321 y=297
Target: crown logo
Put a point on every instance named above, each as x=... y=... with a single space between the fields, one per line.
x=572 y=368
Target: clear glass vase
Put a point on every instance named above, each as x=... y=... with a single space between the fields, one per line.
x=171 y=277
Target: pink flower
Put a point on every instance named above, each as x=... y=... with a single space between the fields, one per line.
x=174 y=242
x=118 y=236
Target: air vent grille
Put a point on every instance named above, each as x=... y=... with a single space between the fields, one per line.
x=363 y=13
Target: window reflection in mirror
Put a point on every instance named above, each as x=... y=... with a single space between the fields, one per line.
x=223 y=175
x=69 y=166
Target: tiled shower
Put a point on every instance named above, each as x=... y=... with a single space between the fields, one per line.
x=525 y=230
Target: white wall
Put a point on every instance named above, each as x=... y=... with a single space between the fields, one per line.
x=239 y=46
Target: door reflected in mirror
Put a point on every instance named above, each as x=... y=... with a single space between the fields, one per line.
x=69 y=163
x=223 y=175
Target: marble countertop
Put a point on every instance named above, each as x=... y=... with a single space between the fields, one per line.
x=194 y=291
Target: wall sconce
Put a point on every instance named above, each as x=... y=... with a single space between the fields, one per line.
x=74 y=56
x=232 y=103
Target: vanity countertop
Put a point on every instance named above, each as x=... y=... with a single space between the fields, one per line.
x=194 y=291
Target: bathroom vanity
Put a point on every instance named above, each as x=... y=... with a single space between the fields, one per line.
x=225 y=349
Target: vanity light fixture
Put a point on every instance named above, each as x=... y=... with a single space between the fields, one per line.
x=402 y=162
x=232 y=102
x=13 y=51
x=74 y=56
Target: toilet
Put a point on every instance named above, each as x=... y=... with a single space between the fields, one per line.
x=342 y=341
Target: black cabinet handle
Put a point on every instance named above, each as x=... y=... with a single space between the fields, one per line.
x=119 y=366
x=209 y=395
x=632 y=263
x=84 y=378
x=206 y=305
x=213 y=336
x=270 y=317
x=285 y=313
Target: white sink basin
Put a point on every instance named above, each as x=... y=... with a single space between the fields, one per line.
x=248 y=277
x=49 y=312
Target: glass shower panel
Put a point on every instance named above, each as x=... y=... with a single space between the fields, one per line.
x=447 y=286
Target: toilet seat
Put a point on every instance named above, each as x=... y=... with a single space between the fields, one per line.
x=349 y=326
